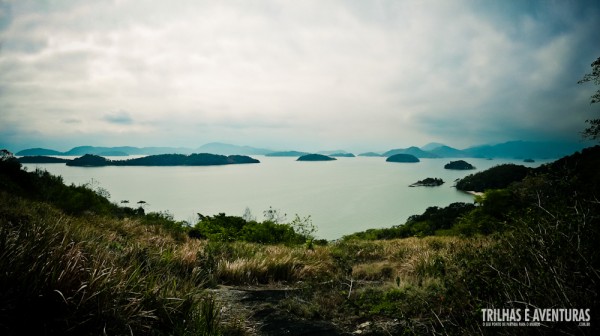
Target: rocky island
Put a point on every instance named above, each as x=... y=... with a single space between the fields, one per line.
x=315 y=157
x=403 y=158
x=459 y=165
x=428 y=182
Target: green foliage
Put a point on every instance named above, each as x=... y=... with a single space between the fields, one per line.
x=233 y=228
x=593 y=131
x=434 y=220
x=497 y=177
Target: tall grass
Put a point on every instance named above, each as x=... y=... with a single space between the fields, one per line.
x=92 y=275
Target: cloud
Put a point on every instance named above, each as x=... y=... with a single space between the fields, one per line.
x=119 y=118
x=381 y=73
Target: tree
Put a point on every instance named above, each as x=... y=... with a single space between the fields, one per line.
x=593 y=131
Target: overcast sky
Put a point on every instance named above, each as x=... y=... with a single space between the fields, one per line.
x=307 y=75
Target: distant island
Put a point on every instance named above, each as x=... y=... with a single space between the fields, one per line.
x=408 y=158
x=428 y=182
x=204 y=159
x=510 y=149
x=459 y=165
x=113 y=153
x=342 y=155
x=414 y=151
x=315 y=157
x=287 y=154
x=370 y=154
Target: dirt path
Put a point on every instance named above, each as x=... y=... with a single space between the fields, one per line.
x=255 y=310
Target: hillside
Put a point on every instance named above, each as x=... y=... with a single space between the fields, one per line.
x=75 y=263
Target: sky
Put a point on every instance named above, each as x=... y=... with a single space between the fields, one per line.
x=305 y=75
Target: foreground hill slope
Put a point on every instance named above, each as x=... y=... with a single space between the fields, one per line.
x=71 y=262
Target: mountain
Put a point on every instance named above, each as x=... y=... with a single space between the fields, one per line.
x=524 y=149
x=342 y=155
x=371 y=154
x=287 y=154
x=329 y=152
x=415 y=151
x=431 y=146
x=448 y=152
x=228 y=149
x=38 y=152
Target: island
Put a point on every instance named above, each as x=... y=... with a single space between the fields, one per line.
x=342 y=155
x=42 y=159
x=428 y=182
x=529 y=160
x=459 y=165
x=203 y=159
x=287 y=154
x=370 y=154
x=403 y=158
x=315 y=157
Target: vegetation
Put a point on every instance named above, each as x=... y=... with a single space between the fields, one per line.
x=102 y=269
x=90 y=160
x=593 y=130
x=459 y=165
x=402 y=158
x=428 y=182
x=225 y=228
x=73 y=273
x=500 y=176
x=315 y=157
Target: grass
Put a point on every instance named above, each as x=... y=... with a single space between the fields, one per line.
x=92 y=275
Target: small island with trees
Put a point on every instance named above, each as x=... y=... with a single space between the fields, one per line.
x=428 y=182
x=459 y=165
x=315 y=157
x=403 y=158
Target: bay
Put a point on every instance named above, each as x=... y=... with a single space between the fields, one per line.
x=342 y=196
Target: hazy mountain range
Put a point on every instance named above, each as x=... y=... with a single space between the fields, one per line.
x=511 y=149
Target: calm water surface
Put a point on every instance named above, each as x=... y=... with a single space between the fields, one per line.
x=342 y=197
